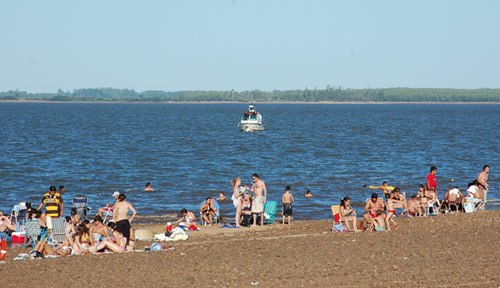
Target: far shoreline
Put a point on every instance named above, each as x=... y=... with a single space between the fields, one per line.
x=231 y=102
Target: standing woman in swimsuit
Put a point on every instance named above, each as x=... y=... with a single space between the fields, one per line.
x=237 y=199
x=120 y=213
x=389 y=207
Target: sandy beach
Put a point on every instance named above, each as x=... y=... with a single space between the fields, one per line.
x=452 y=250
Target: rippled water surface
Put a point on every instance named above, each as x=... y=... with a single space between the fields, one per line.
x=190 y=151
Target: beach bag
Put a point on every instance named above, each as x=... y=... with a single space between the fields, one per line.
x=339 y=228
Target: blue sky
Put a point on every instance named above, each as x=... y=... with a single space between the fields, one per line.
x=246 y=45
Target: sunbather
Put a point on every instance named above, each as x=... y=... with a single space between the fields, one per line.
x=188 y=218
x=237 y=198
x=374 y=213
x=99 y=231
x=208 y=210
x=119 y=244
x=475 y=190
x=82 y=240
x=348 y=214
x=399 y=200
x=246 y=210
x=454 y=197
x=390 y=211
x=5 y=224
x=415 y=208
x=42 y=248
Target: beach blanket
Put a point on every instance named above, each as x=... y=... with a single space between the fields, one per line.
x=143 y=235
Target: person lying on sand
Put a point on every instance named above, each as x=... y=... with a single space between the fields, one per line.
x=43 y=249
x=374 y=212
x=119 y=245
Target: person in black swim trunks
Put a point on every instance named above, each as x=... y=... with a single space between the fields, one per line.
x=287 y=200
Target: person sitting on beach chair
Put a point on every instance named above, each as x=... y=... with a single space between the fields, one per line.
x=346 y=214
x=207 y=210
x=476 y=192
x=415 y=206
x=454 y=200
x=399 y=200
x=374 y=213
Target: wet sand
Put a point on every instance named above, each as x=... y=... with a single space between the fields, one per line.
x=453 y=250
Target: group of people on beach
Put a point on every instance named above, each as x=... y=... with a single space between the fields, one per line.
x=379 y=214
x=117 y=235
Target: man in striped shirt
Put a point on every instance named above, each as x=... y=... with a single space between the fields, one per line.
x=54 y=205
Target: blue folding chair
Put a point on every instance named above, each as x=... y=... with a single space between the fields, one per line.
x=80 y=203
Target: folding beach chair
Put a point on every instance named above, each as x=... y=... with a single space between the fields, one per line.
x=58 y=231
x=337 y=219
x=33 y=231
x=216 y=214
x=270 y=208
x=80 y=203
x=18 y=215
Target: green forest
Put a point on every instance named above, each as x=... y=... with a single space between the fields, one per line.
x=330 y=94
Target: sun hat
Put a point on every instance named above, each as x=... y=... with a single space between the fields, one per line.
x=116 y=193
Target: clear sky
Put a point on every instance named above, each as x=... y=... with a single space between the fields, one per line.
x=248 y=44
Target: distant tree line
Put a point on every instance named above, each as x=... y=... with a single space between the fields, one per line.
x=330 y=94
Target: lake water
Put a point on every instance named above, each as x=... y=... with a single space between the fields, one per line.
x=190 y=151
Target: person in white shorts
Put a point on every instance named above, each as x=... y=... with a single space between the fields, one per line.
x=260 y=194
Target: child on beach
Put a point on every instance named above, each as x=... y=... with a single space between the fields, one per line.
x=389 y=206
x=287 y=200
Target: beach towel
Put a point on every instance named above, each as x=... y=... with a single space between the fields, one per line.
x=229 y=226
x=339 y=228
x=177 y=234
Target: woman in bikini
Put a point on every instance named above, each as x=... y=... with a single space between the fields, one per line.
x=237 y=199
x=118 y=244
x=390 y=212
x=82 y=240
x=345 y=211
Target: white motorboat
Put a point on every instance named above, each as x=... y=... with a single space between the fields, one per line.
x=251 y=120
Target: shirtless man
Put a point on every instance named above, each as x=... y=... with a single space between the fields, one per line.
x=374 y=212
x=258 y=187
x=482 y=178
x=415 y=206
x=148 y=187
x=120 y=213
x=108 y=209
x=451 y=198
x=5 y=225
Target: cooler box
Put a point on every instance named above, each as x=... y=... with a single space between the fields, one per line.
x=469 y=205
x=18 y=237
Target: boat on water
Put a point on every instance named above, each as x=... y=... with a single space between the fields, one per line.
x=251 y=120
